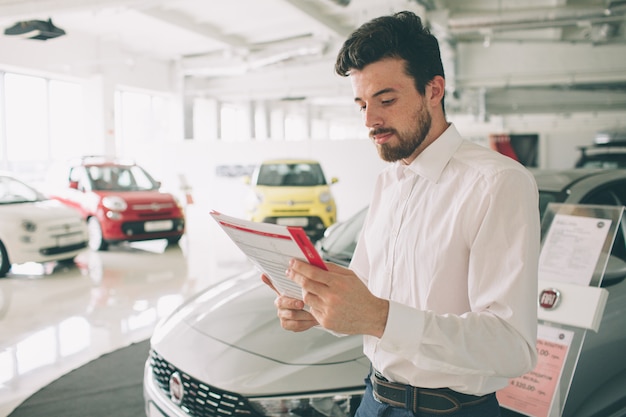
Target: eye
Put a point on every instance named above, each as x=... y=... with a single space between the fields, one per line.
x=388 y=102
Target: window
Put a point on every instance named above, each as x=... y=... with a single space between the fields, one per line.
x=44 y=121
x=26 y=118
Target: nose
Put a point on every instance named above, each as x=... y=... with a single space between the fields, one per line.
x=372 y=118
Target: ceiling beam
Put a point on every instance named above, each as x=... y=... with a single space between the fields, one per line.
x=188 y=23
x=312 y=11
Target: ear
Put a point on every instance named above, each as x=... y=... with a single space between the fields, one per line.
x=435 y=90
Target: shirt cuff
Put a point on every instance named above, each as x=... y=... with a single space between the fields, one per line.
x=404 y=329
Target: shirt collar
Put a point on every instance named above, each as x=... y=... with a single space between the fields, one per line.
x=431 y=162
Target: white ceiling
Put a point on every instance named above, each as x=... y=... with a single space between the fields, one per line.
x=573 y=51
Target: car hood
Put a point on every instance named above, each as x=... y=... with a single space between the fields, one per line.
x=301 y=194
x=139 y=196
x=230 y=336
x=39 y=210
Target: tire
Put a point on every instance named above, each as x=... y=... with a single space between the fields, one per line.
x=171 y=241
x=96 y=240
x=5 y=264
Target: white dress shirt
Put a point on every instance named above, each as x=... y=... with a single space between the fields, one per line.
x=452 y=240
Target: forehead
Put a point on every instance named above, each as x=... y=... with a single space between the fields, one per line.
x=386 y=74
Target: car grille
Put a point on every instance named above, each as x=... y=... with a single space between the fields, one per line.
x=199 y=400
x=150 y=215
x=64 y=236
x=291 y=212
x=137 y=228
x=63 y=249
x=153 y=206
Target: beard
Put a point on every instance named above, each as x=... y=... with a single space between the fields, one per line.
x=408 y=141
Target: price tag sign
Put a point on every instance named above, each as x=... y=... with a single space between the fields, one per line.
x=533 y=394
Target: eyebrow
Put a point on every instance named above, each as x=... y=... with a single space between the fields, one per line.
x=376 y=94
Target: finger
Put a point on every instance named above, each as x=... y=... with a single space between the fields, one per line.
x=295 y=315
x=269 y=283
x=297 y=326
x=296 y=320
x=306 y=270
x=287 y=303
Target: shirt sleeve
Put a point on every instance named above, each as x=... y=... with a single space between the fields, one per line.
x=497 y=337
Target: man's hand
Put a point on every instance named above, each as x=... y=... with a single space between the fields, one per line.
x=290 y=311
x=338 y=300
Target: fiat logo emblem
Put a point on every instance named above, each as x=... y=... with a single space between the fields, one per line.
x=549 y=298
x=177 y=391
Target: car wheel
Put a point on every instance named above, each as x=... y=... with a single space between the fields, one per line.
x=96 y=241
x=5 y=265
x=171 y=241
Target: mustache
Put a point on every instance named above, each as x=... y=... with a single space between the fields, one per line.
x=381 y=131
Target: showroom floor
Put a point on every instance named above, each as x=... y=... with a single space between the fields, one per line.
x=56 y=318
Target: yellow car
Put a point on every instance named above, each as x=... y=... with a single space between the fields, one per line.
x=293 y=192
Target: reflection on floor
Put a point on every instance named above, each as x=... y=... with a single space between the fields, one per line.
x=57 y=317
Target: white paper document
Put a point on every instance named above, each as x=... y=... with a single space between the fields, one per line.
x=571 y=249
x=270 y=247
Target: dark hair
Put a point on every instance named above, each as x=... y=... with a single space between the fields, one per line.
x=401 y=35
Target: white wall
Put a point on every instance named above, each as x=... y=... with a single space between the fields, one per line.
x=354 y=162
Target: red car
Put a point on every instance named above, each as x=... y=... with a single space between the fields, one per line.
x=121 y=202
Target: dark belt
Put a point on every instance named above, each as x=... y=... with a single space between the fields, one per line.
x=429 y=400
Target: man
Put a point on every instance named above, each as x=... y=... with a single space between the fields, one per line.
x=443 y=280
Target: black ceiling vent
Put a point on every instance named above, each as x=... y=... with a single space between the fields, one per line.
x=35 y=29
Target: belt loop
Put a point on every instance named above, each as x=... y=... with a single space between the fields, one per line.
x=412 y=399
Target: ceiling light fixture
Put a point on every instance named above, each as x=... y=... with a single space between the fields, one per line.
x=35 y=29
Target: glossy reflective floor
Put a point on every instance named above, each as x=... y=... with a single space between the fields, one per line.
x=55 y=318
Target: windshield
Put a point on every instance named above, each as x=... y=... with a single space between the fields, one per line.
x=296 y=174
x=605 y=163
x=120 y=178
x=13 y=191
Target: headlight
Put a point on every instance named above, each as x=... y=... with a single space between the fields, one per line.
x=114 y=203
x=329 y=405
x=325 y=197
x=254 y=200
x=29 y=226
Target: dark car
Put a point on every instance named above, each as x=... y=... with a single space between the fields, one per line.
x=607 y=151
x=121 y=202
x=223 y=352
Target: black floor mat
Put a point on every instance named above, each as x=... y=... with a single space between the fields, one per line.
x=111 y=385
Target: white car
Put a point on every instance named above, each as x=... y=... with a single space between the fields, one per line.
x=34 y=228
x=223 y=352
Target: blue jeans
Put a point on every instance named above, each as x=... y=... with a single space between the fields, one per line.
x=370 y=407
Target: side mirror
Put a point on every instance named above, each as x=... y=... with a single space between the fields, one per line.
x=74 y=185
x=334 y=180
x=246 y=179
